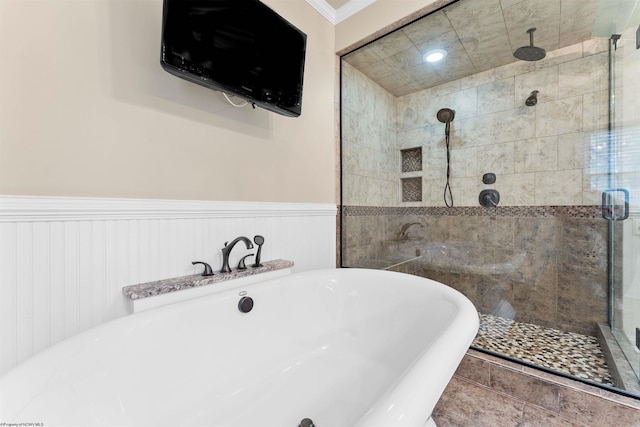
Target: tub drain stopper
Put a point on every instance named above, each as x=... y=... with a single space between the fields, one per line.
x=245 y=304
x=306 y=422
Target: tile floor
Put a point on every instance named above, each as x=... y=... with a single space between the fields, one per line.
x=566 y=352
x=488 y=391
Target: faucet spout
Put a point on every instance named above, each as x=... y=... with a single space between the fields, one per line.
x=403 y=234
x=226 y=251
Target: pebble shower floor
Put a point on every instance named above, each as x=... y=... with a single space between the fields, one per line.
x=566 y=352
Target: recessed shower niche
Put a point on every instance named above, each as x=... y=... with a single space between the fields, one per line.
x=411 y=159
x=411 y=187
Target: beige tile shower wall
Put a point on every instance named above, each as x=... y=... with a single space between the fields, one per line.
x=627 y=115
x=540 y=154
x=370 y=159
x=627 y=72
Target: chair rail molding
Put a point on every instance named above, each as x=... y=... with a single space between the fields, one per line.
x=34 y=208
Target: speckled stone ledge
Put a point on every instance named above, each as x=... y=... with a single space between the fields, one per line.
x=160 y=287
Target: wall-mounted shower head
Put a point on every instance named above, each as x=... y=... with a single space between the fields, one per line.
x=445 y=115
x=531 y=52
x=532 y=99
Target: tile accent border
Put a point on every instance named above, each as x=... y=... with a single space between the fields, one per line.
x=585 y=212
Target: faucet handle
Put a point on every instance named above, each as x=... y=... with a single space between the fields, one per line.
x=241 y=264
x=207 y=268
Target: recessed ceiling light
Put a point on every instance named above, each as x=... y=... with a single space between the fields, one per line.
x=435 y=55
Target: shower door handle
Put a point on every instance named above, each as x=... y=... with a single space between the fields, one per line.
x=609 y=211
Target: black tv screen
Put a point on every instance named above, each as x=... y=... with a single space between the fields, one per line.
x=239 y=47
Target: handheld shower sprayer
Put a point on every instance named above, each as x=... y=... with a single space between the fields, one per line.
x=446 y=116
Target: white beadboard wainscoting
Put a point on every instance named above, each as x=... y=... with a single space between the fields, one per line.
x=64 y=261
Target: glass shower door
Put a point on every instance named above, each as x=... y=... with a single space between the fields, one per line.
x=621 y=200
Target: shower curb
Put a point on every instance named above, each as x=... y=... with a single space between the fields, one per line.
x=619 y=368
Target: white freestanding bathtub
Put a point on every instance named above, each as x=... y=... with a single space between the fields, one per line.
x=344 y=348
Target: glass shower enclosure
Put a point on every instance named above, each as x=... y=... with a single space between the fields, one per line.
x=621 y=201
x=541 y=166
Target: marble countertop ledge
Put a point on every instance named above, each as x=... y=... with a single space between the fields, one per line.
x=160 y=287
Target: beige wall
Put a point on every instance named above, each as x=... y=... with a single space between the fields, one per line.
x=370 y=155
x=86 y=110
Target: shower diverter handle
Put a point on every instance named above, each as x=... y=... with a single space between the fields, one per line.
x=489 y=198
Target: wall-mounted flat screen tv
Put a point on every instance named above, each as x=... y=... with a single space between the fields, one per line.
x=239 y=47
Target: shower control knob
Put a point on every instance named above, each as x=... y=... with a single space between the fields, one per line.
x=306 y=422
x=489 y=198
x=489 y=178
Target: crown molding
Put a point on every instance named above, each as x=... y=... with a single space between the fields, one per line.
x=351 y=8
x=336 y=16
x=325 y=9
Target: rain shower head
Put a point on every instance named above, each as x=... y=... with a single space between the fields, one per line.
x=531 y=52
x=446 y=115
